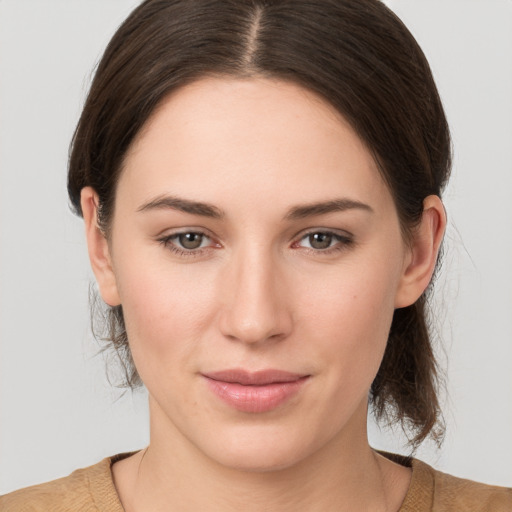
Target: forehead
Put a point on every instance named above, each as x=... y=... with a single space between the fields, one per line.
x=223 y=139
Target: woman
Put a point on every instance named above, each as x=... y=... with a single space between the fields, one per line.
x=260 y=187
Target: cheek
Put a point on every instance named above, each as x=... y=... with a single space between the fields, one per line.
x=349 y=318
x=341 y=313
x=165 y=308
x=354 y=298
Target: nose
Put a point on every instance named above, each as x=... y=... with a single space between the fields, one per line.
x=255 y=305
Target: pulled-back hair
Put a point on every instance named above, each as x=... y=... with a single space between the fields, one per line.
x=358 y=56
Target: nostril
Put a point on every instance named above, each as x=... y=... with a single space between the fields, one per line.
x=254 y=331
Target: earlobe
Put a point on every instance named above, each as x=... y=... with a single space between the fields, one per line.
x=422 y=258
x=98 y=248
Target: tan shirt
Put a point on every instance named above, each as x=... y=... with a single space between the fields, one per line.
x=92 y=490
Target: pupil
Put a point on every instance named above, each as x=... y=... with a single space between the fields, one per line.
x=190 y=240
x=320 y=240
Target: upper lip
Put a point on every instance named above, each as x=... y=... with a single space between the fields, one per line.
x=256 y=378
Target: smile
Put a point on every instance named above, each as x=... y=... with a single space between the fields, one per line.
x=254 y=392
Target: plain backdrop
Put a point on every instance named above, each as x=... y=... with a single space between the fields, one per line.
x=57 y=409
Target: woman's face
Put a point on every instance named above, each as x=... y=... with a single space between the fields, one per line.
x=258 y=258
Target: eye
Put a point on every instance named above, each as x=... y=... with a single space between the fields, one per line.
x=187 y=243
x=190 y=241
x=319 y=240
x=324 y=241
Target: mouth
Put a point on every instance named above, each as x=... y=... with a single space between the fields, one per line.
x=254 y=392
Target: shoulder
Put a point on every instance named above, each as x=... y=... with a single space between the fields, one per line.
x=459 y=494
x=85 y=490
x=446 y=493
x=58 y=495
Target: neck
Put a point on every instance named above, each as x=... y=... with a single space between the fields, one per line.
x=344 y=475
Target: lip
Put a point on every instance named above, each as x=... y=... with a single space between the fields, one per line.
x=255 y=392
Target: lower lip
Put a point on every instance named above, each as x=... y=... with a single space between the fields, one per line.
x=255 y=399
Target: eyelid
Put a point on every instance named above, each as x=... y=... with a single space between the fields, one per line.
x=328 y=231
x=171 y=231
x=167 y=241
x=344 y=238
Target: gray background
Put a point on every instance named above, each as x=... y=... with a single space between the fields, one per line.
x=57 y=409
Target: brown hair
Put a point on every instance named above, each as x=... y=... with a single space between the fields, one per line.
x=355 y=54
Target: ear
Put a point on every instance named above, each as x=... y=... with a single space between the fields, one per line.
x=99 y=251
x=422 y=256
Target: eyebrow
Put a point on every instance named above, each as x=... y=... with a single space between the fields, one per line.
x=297 y=212
x=322 y=208
x=184 y=205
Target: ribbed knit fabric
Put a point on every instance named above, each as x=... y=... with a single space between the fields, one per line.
x=434 y=491
x=92 y=490
x=85 y=490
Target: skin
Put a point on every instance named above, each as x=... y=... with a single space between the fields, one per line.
x=259 y=293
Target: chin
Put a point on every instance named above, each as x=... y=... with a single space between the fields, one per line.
x=258 y=460
x=259 y=450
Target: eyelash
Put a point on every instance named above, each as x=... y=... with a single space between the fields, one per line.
x=167 y=242
x=343 y=242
